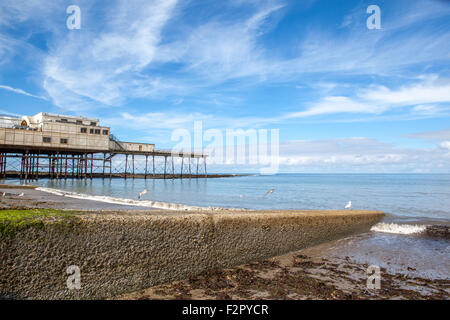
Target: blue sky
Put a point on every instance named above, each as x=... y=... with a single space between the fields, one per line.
x=344 y=97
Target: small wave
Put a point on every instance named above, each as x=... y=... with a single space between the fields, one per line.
x=398 y=228
x=130 y=202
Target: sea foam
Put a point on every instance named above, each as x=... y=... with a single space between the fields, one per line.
x=398 y=228
x=129 y=202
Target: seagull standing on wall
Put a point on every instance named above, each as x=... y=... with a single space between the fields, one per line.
x=349 y=205
x=142 y=193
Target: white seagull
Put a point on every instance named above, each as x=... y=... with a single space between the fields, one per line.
x=142 y=193
x=348 y=206
x=269 y=192
x=22 y=194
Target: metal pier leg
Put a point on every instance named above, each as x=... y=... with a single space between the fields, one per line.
x=4 y=165
x=165 y=165
x=32 y=166
x=85 y=165
x=80 y=167
x=92 y=165
x=126 y=165
x=37 y=166
x=197 y=168
x=182 y=161
x=153 y=165
x=77 y=160
x=32 y=161
x=60 y=165
x=21 y=167
x=73 y=166
x=190 y=158
x=57 y=165
x=146 y=164
x=26 y=166
x=132 y=157
x=104 y=163
x=173 y=169
x=65 y=167
x=49 y=166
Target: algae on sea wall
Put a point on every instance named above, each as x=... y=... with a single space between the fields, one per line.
x=14 y=221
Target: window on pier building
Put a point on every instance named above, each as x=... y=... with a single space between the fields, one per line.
x=91 y=131
x=83 y=130
x=64 y=141
x=46 y=139
x=105 y=132
x=97 y=131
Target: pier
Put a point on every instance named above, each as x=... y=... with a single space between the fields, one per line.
x=67 y=147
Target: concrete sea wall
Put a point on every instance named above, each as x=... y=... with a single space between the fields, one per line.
x=119 y=252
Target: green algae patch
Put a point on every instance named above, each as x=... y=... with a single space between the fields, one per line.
x=13 y=221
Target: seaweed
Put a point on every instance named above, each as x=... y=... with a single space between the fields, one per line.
x=14 y=221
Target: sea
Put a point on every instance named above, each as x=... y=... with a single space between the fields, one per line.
x=399 y=243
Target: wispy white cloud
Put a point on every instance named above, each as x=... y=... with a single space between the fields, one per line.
x=219 y=50
x=335 y=104
x=13 y=13
x=422 y=93
x=445 y=145
x=432 y=135
x=20 y=91
x=360 y=154
x=422 y=97
x=8 y=113
x=105 y=68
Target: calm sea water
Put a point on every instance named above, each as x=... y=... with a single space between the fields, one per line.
x=413 y=197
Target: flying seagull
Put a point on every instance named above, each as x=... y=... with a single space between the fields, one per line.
x=348 y=206
x=142 y=193
x=269 y=192
x=22 y=194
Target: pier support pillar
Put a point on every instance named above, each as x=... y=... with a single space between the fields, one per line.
x=146 y=164
x=173 y=169
x=126 y=165
x=132 y=158
x=153 y=165
x=165 y=166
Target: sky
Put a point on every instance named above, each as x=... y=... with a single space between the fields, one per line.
x=345 y=98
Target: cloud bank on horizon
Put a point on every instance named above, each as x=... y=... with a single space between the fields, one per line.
x=345 y=97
